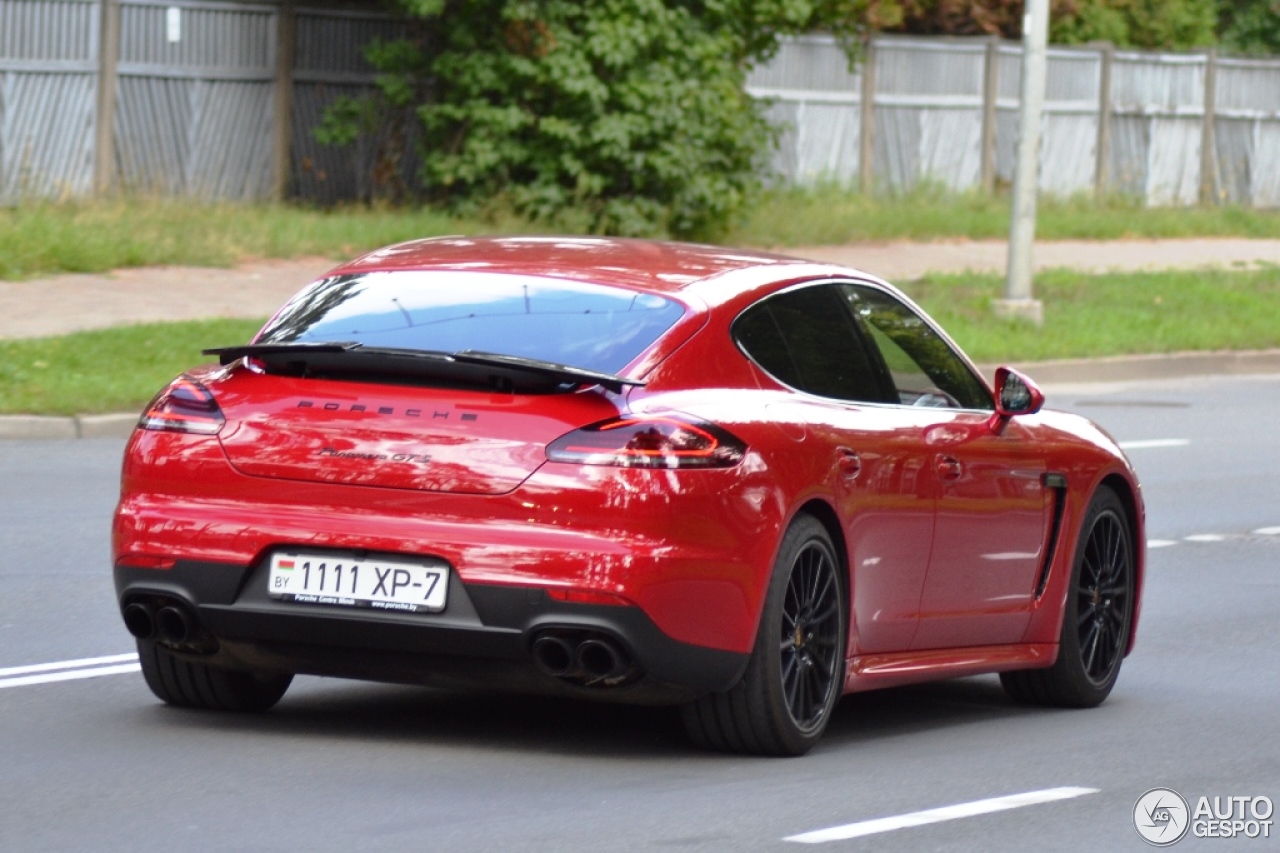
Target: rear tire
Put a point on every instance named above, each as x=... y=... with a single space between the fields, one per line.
x=192 y=685
x=1096 y=619
x=796 y=671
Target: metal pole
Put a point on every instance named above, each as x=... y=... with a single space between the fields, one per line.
x=1018 y=301
x=104 y=142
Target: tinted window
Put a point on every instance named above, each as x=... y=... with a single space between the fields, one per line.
x=565 y=322
x=926 y=371
x=807 y=339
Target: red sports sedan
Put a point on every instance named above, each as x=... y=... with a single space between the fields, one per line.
x=646 y=472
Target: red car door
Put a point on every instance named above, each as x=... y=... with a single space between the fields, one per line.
x=990 y=537
x=871 y=455
x=992 y=510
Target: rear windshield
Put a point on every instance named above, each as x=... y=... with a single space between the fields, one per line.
x=565 y=322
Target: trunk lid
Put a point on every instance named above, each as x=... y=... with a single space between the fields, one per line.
x=393 y=436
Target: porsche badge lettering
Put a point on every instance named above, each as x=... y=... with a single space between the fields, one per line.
x=434 y=415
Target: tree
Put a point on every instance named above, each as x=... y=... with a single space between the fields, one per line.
x=614 y=116
x=1251 y=26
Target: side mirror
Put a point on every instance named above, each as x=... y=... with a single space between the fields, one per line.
x=1015 y=395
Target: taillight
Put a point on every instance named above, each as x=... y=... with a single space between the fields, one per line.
x=649 y=442
x=185 y=406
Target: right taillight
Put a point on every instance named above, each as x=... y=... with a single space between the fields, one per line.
x=647 y=441
x=185 y=406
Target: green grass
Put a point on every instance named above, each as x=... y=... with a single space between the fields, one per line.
x=118 y=370
x=832 y=216
x=44 y=238
x=108 y=370
x=1090 y=316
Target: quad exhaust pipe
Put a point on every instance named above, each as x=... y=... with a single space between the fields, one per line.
x=140 y=621
x=580 y=656
x=168 y=620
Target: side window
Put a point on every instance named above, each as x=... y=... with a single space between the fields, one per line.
x=806 y=338
x=926 y=371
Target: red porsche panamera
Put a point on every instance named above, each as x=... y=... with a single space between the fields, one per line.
x=646 y=472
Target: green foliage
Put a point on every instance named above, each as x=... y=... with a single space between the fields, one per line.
x=617 y=116
x=1150 y=24
x=1251 y=26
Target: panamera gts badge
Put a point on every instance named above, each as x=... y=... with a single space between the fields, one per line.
x=413 y=458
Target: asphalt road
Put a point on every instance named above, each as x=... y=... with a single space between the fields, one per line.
x=97 y=764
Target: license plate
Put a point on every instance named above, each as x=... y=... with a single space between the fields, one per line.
x=419 y=587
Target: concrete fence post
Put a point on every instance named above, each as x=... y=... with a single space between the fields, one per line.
x=282 y=130
x=1102 y=169
x=1208 y=135
x=990 y=95
x=104 y=148
x=867 y=145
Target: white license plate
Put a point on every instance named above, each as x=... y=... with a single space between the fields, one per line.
x=376 y=584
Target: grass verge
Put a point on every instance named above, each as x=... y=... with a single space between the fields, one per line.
x=118 y=370
x=107 y=370
x=833 y=216
x=45 y=238
x=1090 y=316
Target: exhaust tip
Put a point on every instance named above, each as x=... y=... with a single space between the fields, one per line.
x=553 y=656
x=602 y=659
x=174 y=625
x=139 y=622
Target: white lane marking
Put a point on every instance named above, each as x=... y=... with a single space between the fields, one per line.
x=1268 y=531
x=67 y=664
x=1160 y=543
x=1154 y=442
x=69 y=675
x=903 y=821
x=1205 y=537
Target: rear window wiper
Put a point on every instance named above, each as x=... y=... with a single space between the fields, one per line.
x=328 y=354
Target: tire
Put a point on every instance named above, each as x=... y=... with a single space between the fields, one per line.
x=193 y=685
x=796 y=671
x=1097 y=617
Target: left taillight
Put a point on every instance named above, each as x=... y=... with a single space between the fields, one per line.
x=649 y=442
x=185 y=406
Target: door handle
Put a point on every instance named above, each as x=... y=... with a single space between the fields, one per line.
x=949 y=469
x=850 y=463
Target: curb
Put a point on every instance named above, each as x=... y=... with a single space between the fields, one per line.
x=1125 y=368
x=1139 y=368
x=79 y=426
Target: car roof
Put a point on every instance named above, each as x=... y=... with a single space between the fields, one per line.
x=651 y=265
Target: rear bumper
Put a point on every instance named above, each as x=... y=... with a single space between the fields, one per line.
x=483 y=637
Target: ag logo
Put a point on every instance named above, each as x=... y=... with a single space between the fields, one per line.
x=1161 y=817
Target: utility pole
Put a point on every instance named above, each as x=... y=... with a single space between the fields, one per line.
x=1018 y=300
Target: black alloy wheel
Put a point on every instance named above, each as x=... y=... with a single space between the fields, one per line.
x=810 y=647
x=796 y=671
x=1102 y=598
x=1097 y=616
